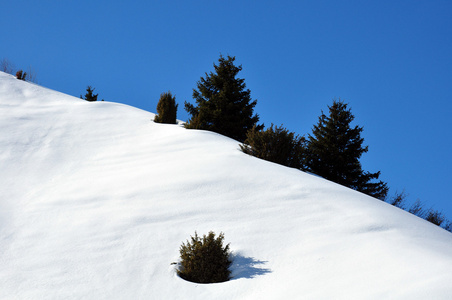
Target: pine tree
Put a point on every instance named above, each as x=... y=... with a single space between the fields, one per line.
x=90 y=96
x=334 y=150
x=166 y=109
x=224 y=104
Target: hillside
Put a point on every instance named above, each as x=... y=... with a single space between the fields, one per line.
x=97 y=198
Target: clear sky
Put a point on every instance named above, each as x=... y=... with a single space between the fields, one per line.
x=390 y=60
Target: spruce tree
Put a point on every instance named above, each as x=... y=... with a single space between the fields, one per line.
x=224 y=105
x=90 y=96
x=166 y=109
x=334 y=150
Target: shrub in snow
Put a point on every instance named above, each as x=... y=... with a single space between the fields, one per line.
x=277 y=145
x=6 y=66
x=21 y=75
x=417 y=209
x=166 y=109
x=435 y=217
x=398 y=200
x=448 y=226
x=205 y=260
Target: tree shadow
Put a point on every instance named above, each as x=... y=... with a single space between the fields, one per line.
x=246 y=267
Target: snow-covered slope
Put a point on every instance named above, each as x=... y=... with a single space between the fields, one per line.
x=96 y=200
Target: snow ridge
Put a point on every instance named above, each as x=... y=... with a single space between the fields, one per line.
x=97 y=198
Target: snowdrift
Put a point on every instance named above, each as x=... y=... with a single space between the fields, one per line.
x=96 y=200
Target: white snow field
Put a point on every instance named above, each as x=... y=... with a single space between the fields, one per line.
x=96 y=200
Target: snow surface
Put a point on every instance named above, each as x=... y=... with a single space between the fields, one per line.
x=97 y=199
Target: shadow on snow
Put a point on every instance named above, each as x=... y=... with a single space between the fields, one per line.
x=247 y=267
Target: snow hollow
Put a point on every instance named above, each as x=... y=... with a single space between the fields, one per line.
x=96 y=200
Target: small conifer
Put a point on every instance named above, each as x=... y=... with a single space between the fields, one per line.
x=90 y=96
x=166 y=109
x=205 y=260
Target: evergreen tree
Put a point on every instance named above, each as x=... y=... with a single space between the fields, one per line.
x=205 y=260
x=90 y=96
x=224 y=104
x=334 y=150
x=277 y=145
x=166 y=109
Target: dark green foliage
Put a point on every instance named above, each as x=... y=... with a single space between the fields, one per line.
x=224 y=104
x=277 y=145
x=166 y=109
x=205 y=260
x=90 y=96
x=21 y=75
x=334 y=150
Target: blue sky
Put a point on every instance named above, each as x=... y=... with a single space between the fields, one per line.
x=390 y=60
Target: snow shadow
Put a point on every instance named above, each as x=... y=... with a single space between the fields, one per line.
x=247 y=267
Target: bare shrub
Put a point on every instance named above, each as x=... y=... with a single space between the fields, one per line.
x=398 y=200
x=6 y=66
x=435 y=217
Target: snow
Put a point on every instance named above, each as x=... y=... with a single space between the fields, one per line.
x=97 y=198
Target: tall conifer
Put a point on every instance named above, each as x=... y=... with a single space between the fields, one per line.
x=224 y=104
x=334 y=150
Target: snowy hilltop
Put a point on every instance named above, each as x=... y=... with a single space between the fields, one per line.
x=97 y=199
